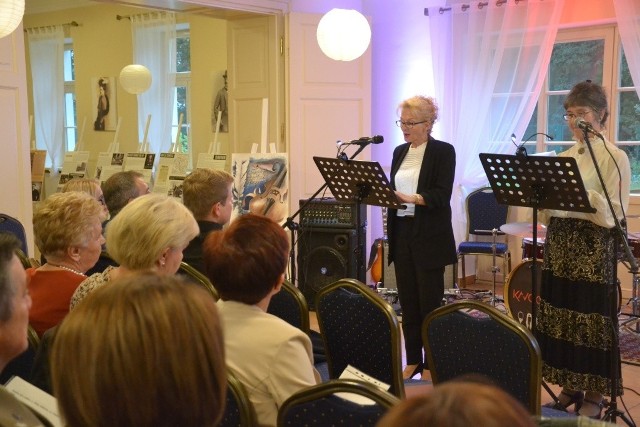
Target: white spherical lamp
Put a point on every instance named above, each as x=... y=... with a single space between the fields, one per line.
x=135 y=78
x=343 y=35
x=11 y=13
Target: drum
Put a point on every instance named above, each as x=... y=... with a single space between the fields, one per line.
x=517 y=291
x=527 y=248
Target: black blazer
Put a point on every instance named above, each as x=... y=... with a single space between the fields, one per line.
x=432 y=230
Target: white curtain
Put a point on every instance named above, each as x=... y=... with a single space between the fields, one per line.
x=490 y=59
x=154 y=36
x=46 y=56
x=628 y=17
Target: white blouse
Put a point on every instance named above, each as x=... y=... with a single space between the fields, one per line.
x=406 y=179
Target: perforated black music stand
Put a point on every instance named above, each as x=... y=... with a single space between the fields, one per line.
x=357 y=180
x=540 y=183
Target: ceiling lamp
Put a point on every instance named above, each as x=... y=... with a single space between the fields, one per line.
x=343 y=35
x=11 y=13
x=135 y=78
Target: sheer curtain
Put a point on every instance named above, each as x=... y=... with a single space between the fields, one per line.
x=154 y=36
x=628 y=17
x=46 y=55
x=490 y=59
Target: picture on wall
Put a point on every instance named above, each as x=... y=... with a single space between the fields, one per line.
x=260 y=185
x=104 y=93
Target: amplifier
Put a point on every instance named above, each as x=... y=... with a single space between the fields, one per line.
x=332 y=213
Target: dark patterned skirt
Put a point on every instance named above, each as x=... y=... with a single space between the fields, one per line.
x=573 y=325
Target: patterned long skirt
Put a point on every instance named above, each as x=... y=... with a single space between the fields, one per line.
x=573 y=325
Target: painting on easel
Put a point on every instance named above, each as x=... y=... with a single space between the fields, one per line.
x=260 y=185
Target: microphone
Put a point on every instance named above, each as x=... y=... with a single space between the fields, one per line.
x=585 y=126
x=520 y=149
x=365 y=140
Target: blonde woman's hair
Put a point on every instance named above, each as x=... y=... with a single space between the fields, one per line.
x=63 y=220
x=203 y=188
x=145 y=227
x=145 y=351
x=84 y=185
x=424 y=107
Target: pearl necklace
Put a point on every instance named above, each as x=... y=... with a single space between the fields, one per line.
x=67 y=268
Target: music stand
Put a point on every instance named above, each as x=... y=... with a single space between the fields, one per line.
x=359 y=181
x=536 y=182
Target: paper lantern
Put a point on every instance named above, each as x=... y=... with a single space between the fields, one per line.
x=343 y=35
x=135 y=78
x=11 y=12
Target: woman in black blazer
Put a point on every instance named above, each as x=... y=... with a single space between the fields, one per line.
x=421 y=241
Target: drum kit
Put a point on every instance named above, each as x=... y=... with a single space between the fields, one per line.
x=518 y=290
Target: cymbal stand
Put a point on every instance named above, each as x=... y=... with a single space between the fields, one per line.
x=494 y=266
x=635 y=304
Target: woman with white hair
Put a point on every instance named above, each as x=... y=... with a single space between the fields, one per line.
x=149 y=233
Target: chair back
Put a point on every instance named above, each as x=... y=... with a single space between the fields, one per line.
x=484 y=212
x=291 y=306
x=198 y=278
x=361 y=329
x=11 y=225
x=470 y=337
x=319 y=406
x=239 y=411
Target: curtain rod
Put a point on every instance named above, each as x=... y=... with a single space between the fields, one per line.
x=160 y=12
x=465 y=7
x=68 y=24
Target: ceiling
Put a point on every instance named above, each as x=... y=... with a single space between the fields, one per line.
x=44 y=6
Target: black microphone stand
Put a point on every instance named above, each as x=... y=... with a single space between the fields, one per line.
x=294 y=226
x=612 y=411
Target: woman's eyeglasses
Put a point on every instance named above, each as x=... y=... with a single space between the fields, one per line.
x=571 y=116
x=409 y=125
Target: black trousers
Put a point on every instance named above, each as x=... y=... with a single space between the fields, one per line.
x=420 y=289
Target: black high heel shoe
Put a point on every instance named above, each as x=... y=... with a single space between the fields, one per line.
x=417 y=370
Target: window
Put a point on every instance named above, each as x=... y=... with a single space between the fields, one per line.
x=70 y=116
x=183 y=88
x=596 y=54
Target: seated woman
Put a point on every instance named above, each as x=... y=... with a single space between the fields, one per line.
x=460 y=403
x=149 y=233
x=89 y=186
x=246 y=263
x=68 y=232
x=145 y=351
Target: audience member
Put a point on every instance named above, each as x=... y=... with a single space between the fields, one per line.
x=89 y=186
x=15 y=303
x=207 y=193
x=121 y=188
x=459 y=404
x=149 y=233
x=145 y=351
x=68 y=232
x=246 y=263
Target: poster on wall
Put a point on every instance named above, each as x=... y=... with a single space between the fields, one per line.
x=260 y=185
x=104 y=94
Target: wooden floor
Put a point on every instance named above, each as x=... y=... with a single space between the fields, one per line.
x=628 y=404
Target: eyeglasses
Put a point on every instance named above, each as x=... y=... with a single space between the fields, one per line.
x=409 y=125
x=571 y=116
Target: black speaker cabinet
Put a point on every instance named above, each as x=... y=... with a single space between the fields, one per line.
x=330 y=247
x=326 y=255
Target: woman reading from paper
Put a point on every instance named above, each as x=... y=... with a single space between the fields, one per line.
x=421 y=241
x=573 y=326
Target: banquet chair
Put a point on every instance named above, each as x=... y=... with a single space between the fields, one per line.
x=471 y=337
x=484 y=214
x=320 y=406
x=11 y=225
x=198 y=278
x=239 y=411
x=291 y=306
x=360 y=329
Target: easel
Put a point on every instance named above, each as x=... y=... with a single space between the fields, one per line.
x=537 y=183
